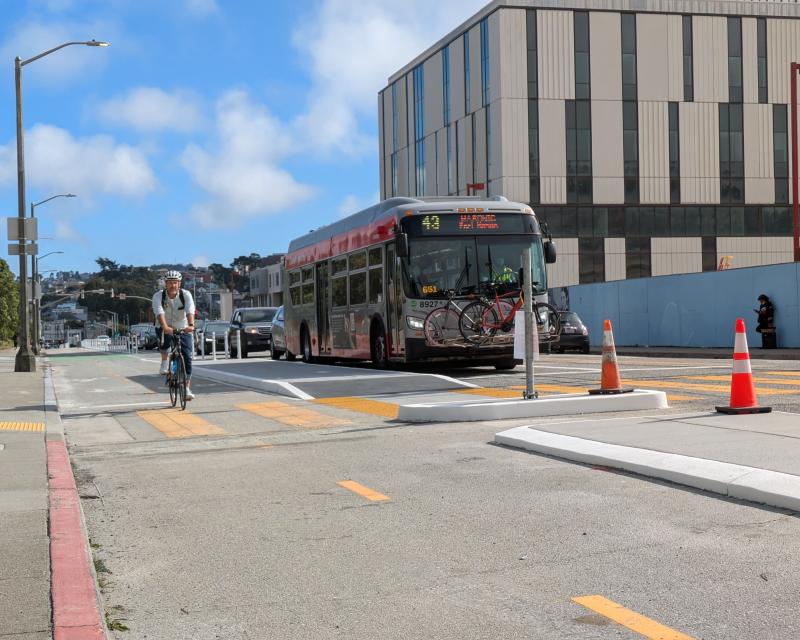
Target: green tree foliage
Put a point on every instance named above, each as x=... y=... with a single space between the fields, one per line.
x=127 y=279
x=9 y=303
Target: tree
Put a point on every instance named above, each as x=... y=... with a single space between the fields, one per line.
x=9 y=303
x=107 y=265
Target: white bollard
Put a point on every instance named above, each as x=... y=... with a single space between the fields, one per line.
x=203 y=346
x=238 y=344
x=227 y=344
x=213 y=345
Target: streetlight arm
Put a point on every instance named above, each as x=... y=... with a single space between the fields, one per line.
x=60 y=195
x=90 y=43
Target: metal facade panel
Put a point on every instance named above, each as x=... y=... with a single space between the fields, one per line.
x=515 y=189
x=501 y=121
x=607 y=155
x=456 y=79
x=758 y=160
x=699 y=142
x=565 y=271
x=652 y=57
x=401 y=103
x=783 y=48
x=556 y=55
x=498 y=64
x=475 y=68
x=615 y=258
x=434 y=93
x=553 y=151
x=710 y=55
x=653 y=153
x=403 y=186
x=479 y=131
x=512 y=144
x=511 y=64
x=387 y=121
x=606 y=57
x=749 y=60
x=669 y=256
x=441 y=162
x=464 y=154
x=675 y=58
x=431 y=168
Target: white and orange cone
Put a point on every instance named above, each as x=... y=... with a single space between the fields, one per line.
x=743 y=390
x=609 y=378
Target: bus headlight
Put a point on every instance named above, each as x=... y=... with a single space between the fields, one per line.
x=415 y=323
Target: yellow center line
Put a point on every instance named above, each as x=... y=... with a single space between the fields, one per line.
x=292 y=415
x=690 y=386
x=630 y=619
x=781 y=373
x=362 y=405
x=755 y=379
x=22 y=426
x=363 y=491
x=174 y=423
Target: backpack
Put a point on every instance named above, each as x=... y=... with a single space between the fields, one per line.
x=164 y=300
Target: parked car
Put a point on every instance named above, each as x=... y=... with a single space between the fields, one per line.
x=213 y=329
x=255 y=324
x=574 y=334
x=279 y=337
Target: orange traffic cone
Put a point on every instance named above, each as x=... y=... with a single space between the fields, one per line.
x=609 y=378
x=743 y=391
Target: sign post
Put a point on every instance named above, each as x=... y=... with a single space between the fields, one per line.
x=527 y=291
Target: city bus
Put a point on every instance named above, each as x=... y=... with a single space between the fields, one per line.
x=362 y=287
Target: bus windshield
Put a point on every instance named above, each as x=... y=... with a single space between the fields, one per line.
x=437 y=266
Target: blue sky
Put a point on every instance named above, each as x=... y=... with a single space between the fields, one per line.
x=209 y=129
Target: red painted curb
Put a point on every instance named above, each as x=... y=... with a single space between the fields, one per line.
x=76 y=614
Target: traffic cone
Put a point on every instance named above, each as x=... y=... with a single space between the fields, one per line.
x=743 y=391
x=609 y=377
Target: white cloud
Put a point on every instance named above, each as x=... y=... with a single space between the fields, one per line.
x=201 y=8
x=62 y=67
x=153 y=109
x=65 y=231
x=201 y=261
x=353 y=203
x=241 y=172
x=352 y=48
x=56 y=161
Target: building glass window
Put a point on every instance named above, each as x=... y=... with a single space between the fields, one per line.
x=485 y=62
x=533 y=108
x=731 y=153
x=582 y=75
x=637 y=258
x=761 y=46
x=688 y=63
x=674 y=155
x=735 y=59
x=709 y=248
x=591 y=260
x=578 y=117
x=419 y=128
x=780 y=141
x=467 y=101
x=533 y=73
x=628 y=56
x=630 y=150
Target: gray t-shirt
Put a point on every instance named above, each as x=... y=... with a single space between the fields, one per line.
x=173 y=314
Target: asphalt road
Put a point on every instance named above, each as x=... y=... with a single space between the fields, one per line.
x=231 y=522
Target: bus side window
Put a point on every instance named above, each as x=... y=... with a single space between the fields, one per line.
x=294 y=287
x=375 y=260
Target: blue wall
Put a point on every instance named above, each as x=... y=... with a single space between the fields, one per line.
x=690 y=310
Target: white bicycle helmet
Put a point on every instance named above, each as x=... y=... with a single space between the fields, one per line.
x=173 y=275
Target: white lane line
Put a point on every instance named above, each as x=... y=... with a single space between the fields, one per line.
x=292 y=389
x=453 y=380
x=114 y=406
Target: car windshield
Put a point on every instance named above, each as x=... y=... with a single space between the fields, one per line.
x=258 y=315
x=215 y=327
x=570 y=317
x=438 y=265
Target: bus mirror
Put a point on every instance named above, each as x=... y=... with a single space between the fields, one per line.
x=402 y=245
x=549 y=252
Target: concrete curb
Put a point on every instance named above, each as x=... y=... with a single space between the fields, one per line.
x=736 y=481
x=567 y=404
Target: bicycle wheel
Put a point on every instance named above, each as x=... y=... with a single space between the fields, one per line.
x=505 y=316
x=181 y=383
x=478 y=322
x=548 y=322
x=441 y=327
x=173 y=387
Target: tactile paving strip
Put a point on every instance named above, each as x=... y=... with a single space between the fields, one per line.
x=21 y=426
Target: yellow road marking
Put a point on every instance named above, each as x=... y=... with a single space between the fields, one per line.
x=22 y=426
x=755 y=379
x=676 y=397
x=781 y=373
x=292 y=415
x=363 y=491
x=362 y=405
x=174 y=423
x=495 y=393
x=690 y=386
x=630 y=619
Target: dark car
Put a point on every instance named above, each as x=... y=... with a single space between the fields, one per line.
x=574 y=334
x=255 y=325
x=212 y=330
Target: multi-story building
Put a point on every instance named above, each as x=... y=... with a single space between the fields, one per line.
x=266 y=285
x=652 y=136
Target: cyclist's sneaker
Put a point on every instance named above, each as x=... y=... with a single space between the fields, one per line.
x=189 y=394
x=164 y=367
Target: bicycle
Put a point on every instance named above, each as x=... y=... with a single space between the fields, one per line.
x=480 y=321
x=176 y=371
x=442 y=325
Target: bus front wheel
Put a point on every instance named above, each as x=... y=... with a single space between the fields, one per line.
x=380 y=358
x=305 y=347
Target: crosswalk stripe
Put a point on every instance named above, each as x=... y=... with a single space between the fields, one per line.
x=362 y=405
x=174 y=423
x=630 y=619
x=364 y=492
x=292 y=415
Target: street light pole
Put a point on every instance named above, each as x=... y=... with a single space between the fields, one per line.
x=25 y=359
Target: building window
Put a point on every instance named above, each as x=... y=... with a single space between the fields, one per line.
x=731 y=153
x=591 y=260
x=628 y=56
x=630 y=150
x=688 y=64
x=419 y=128
x=533 y=149
x=780 y=141
x=578 y=116
x=674 y=155
x=735 y=59
x=467 y=101
x=762 y=59
x=533 y=73
x=582 y=75
x=637 y=258
x=485 y=62
x=709 y=247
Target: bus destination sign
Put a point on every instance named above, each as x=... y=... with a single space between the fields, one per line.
x=453 y=224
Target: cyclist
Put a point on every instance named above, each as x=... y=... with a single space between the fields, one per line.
x=173 y=308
